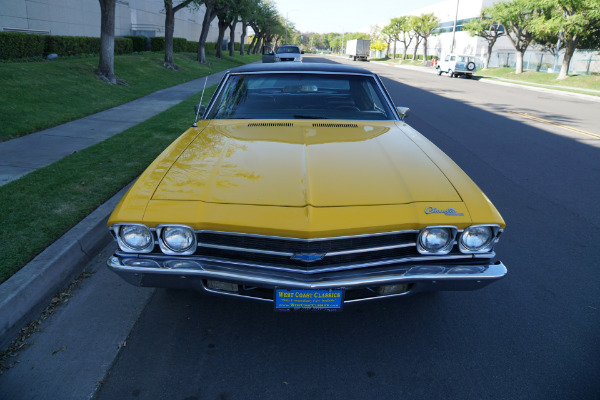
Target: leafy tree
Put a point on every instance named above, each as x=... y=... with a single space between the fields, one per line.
x=106 y=64
x=425 y=26
x=170 y=10
x=518 y=17
x=387 y=34
x=394 y=29
x=570 y=21
x=486 y=28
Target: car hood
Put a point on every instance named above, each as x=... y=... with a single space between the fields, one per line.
x=300 y=163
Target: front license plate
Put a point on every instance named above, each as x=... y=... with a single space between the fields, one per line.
x=326 y=300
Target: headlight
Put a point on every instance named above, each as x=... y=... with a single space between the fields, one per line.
x=478 y=239
x=177 y=239
x=436 y=240
x=135 y=238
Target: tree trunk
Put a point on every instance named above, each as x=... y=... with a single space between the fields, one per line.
x=232 y=38
x=243 y=37
x=105 y=69
x=488 y=56
x=405 y=51
x=424 y=50
x=222 y=26
x=209 y=14
x=519 y=65
x=169 y=29
x=394 y=55
x=569 y=51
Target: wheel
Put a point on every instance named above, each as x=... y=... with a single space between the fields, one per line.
x=470 y=66
x=450 y=73
x=439 y=71
x=354 y=59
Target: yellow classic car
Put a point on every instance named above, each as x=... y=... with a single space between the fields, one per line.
x=301 y=185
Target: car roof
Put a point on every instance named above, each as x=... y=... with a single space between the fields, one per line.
x=300 y=67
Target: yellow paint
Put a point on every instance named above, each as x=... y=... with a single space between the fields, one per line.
x=304 y=181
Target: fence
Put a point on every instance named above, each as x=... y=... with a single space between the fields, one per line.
x=584 y=62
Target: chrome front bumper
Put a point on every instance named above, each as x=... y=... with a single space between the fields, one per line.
x=195 y=275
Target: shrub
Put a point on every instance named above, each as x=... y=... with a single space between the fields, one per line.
x=157 y=43
x=123 y=46
x=140 y=43
x=20 y=45
x=72 y=45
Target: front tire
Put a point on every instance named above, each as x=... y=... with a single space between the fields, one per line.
x=450 y=73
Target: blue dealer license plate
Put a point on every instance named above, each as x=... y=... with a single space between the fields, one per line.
x=291 y=299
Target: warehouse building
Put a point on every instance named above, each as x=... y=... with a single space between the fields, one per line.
x=82 y=18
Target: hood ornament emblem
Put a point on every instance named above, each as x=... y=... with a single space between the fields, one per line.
x=308 y=257
x=450 y=211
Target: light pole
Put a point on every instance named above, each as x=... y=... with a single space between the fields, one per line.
x=454 y=28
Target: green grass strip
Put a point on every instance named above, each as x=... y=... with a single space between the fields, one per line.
x=41 y=206
x=40 y=95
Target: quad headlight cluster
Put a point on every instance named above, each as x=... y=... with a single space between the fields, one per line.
x=440 y=240
x=172 y=239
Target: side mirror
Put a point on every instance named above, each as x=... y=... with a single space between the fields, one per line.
x=403 y=111
x=199 y=111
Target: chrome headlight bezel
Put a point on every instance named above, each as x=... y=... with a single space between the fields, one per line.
x=447 y=248
x=120 y=229
x=487 y=246
x=169 y=249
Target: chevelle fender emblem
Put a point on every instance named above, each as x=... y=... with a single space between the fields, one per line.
x=449 y=211
x=308 y=257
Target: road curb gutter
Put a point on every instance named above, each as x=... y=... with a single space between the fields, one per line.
x=27 y=293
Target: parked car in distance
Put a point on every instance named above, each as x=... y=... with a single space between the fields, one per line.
x=456 y=65
x=302 y=186
x=284 y=53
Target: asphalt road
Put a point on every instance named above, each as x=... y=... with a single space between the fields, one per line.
x=532 y=335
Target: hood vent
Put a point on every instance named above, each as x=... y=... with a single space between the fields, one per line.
x=270 y=124
x=334 y=125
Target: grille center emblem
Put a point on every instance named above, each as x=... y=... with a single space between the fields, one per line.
x=308 y=257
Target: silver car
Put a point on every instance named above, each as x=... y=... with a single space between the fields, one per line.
x=283 y=53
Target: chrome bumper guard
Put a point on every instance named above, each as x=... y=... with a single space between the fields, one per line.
x=193 y=274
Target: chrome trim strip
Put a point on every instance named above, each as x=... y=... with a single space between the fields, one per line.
x=246 y=250
x=309 y=240
x=369 y=249
x=329 y=268
x=490 y=272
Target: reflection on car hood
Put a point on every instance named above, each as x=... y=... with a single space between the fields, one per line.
x=299 y=163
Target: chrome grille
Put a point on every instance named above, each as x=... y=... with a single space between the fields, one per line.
x=335 y=252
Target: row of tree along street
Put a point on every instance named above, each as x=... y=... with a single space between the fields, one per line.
x=553 y=24
x=260 y=15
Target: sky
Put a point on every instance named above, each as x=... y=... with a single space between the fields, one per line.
x=323 y=16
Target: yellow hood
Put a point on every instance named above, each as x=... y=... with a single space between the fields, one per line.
x=300 y=163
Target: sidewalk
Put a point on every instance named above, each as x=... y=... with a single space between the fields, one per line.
x=23 y=155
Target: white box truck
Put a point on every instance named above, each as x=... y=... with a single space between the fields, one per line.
x=358 y=49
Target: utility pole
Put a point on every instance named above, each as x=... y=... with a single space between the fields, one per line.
x=454 y=28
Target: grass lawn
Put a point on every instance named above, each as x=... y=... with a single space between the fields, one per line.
x=39 y=95
x=591 y=82
x=40 y=207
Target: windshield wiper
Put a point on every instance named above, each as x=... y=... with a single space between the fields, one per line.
x=308 y=117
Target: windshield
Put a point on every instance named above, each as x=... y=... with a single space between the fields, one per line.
x=301 y=96
x=288 y=49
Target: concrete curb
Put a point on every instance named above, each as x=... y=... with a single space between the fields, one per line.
x=27 y=293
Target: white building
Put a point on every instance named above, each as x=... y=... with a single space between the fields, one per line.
x=82 y=18
x=460 y=11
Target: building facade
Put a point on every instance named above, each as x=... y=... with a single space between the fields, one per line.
x=82 y=18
